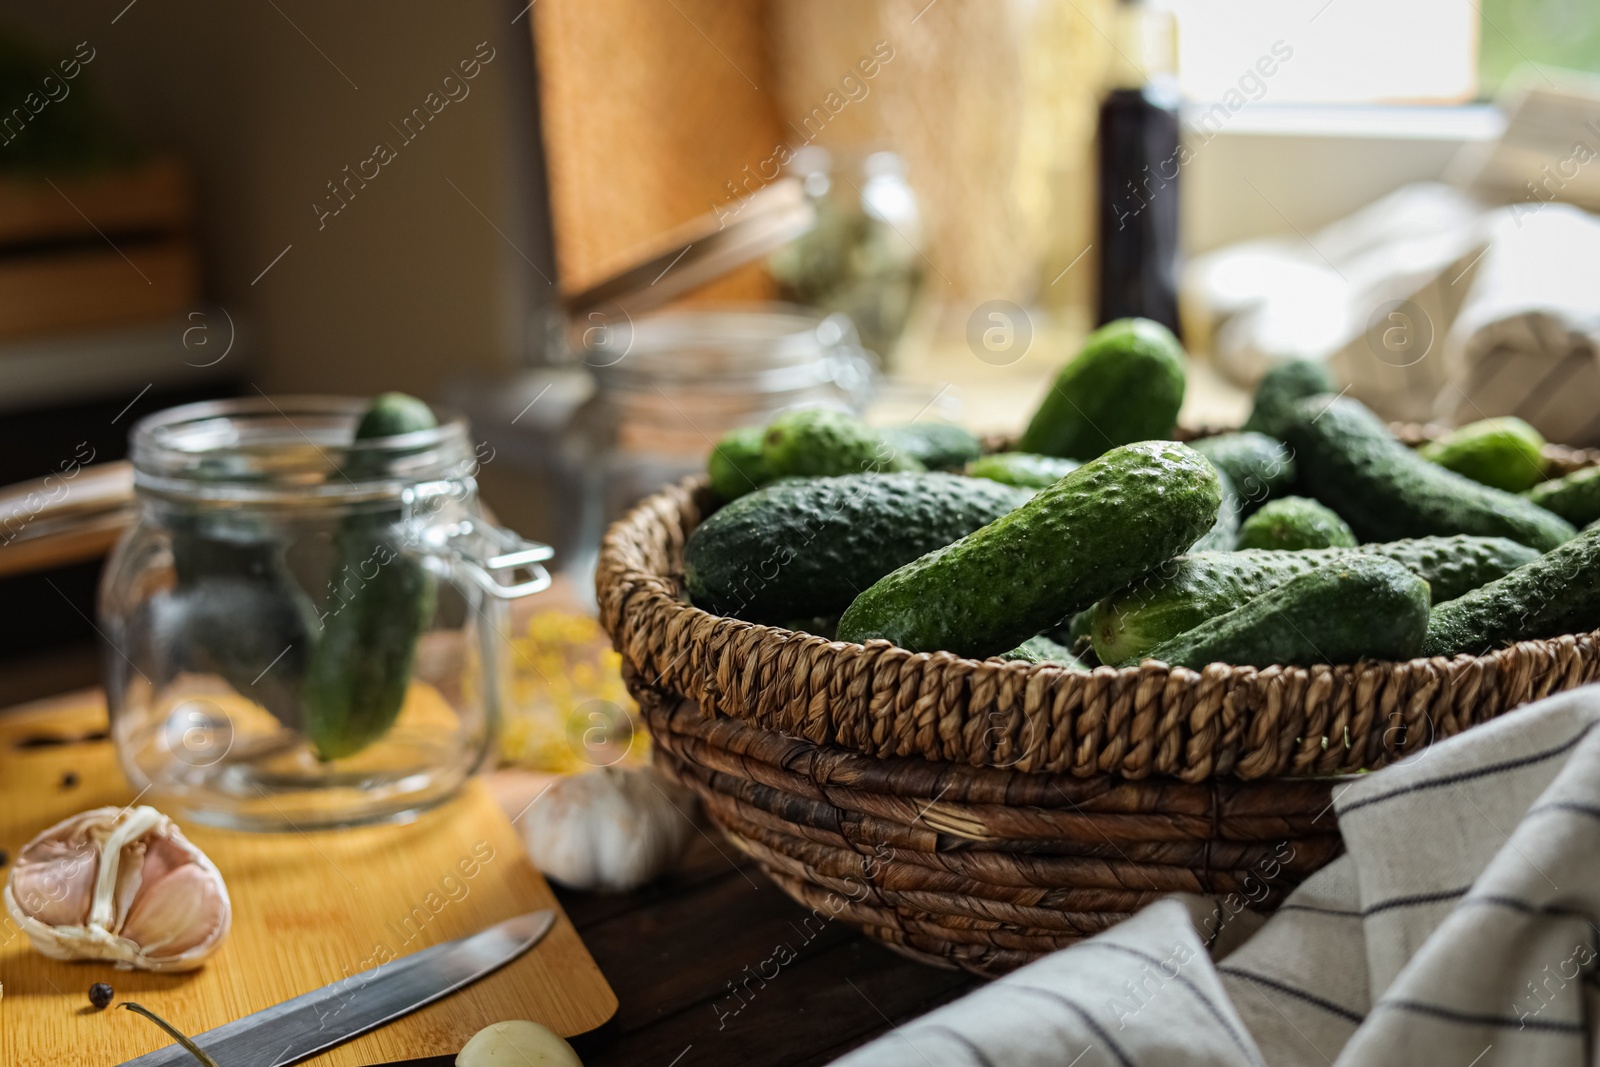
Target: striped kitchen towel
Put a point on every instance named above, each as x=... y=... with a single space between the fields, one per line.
x=1461 y=928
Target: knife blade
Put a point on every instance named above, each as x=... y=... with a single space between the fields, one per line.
x=312 y=1022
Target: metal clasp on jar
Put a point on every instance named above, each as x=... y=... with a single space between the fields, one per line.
x=444 y=526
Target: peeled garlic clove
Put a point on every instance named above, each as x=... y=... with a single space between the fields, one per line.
x=518 y=1043
x=612 y=829
x=119 y=884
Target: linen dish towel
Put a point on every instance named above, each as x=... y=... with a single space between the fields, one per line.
x=1461 y=928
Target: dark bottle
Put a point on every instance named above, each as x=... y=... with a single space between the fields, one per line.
x=1139 y=162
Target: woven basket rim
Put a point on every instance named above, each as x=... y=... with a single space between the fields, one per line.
x=881 y=700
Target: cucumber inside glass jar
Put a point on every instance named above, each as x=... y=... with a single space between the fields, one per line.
x=305 y=625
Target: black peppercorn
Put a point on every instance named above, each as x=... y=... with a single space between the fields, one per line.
x=69 y=780
x=101 y=994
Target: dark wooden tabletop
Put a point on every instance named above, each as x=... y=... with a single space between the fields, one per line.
x=693 y=959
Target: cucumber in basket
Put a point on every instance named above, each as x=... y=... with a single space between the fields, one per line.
x=1575 y=498
x=1558 y=593
x=1027 y=469
x=1357 y=607
x=1506 y=453
x=804 y=548
x=1259 y=466
x=1091 y=532
x=1293 y=522
x=361 y=669
x=1225 y=531
x=1350 y=461
x=1126 y=384
x=1182 y=594
x=1280 y=389
x=736 y=465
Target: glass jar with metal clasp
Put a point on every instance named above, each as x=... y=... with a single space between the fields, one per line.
x=306 y=630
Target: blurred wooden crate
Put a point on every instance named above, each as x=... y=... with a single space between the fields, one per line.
x=87 y=251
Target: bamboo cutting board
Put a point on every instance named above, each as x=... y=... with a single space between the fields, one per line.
x=308 y=909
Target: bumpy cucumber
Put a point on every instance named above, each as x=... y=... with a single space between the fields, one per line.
x=1350 y=461
x=1575 y=498
x=1027 y=469
x=803 y=548
x=1281 y=388
x=1506 y=453
x=1294 y=522
x=1091 y=532
x=1558 y=593
x=361 y=669
x=1043 y=650
x=1125 y=385
x=1225 y=530
x=1183 y=593
x=1259 y=466
x=938 y=446
x=816 y=442
x=1356 y=607
x=736 y=465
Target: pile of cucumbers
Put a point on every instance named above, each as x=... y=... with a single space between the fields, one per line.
x=1312 y=536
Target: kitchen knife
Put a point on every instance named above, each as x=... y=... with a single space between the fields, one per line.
x=312 y=1022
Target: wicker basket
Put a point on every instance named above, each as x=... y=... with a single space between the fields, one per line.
x=984 y=813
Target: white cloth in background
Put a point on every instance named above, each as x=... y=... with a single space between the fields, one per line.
x=1526 y=341
x=1460 y=929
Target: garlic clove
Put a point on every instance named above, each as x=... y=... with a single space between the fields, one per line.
x=517 y=1043
x=53 y=881
x=176 y=913
x=137 y=892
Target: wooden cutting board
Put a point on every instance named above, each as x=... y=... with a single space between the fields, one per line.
x=308 y=909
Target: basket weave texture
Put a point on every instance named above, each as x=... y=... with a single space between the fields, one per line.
x=984 y=813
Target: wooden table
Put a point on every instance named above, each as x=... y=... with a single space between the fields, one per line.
x=691 y=959
x=674 y=952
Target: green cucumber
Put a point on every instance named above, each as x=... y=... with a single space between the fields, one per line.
x=1093 y=531
x=1506 y=453
x=736 y=465
x=1575 y=498
x=937 y=446
x=1225 y=530
x=1126 y=384
x=360 y=672
x=1558 y=593
x=802 y=548
x=1281 y=388
x=1259 y=466
x=1356 y=607
x=1294 y=522
x=1043 y=650
x=1187 y=591
x=1350 y=461
x=1027 y=469
x=817 y=442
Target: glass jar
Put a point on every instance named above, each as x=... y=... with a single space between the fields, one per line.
x=669 y=385
x=305 y=630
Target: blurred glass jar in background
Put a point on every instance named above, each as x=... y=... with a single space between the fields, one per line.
x=670 y=384
x=304 y=629
x=860 y=259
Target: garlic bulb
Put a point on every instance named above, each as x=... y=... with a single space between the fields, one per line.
x=611 y=829
x=119 y=884
x=517 y=1044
